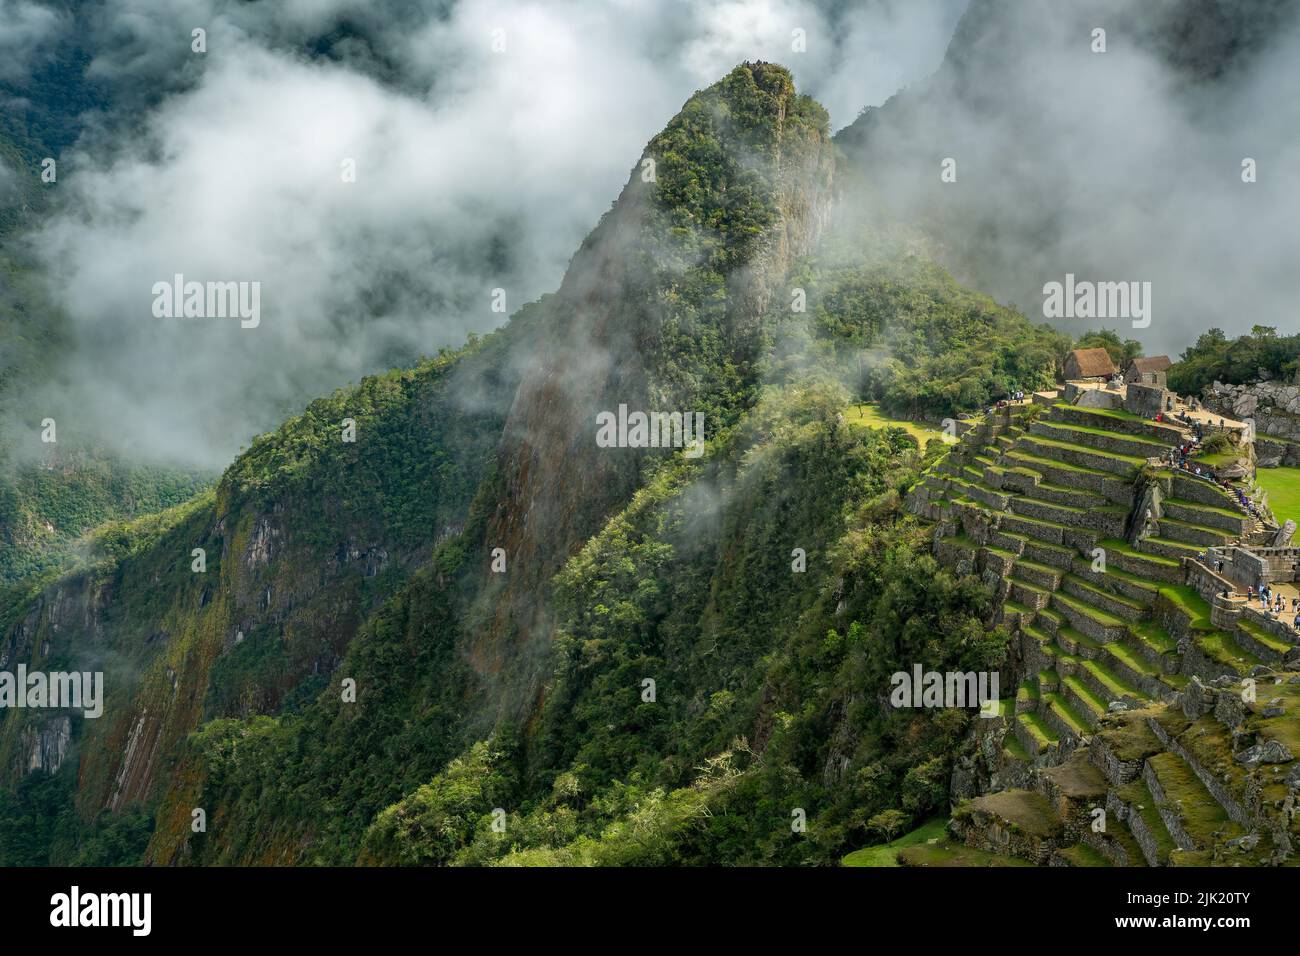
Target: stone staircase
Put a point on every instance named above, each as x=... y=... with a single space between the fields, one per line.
x=1208 y=779
x=1037 y=503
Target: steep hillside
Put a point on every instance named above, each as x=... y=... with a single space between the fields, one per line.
x=760 y=587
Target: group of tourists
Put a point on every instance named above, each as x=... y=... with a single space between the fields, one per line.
x=1270 y=602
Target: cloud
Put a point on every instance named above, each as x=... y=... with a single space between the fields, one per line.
x=475 y=170
x=26 y=31
x=1115 y=166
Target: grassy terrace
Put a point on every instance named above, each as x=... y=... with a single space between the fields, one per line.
x=1121 y=547
x=1082 y=855
x=1263 y=635
x=1199 y=812
x=1116 y=413
x=1084 y=568
x=1218 y=460
x=1185 y=598
x=870 y=416
x=886 y=854
x=1220 y=647
x=1113 y=684
x=1197 y=506
x=1089 y=698
x=1066 y=713
x=947 y=853
x=1154 y=636
x=1199 y=528
x=1084 y=449
x=1283 y=487
x=1132 y=661
x=1138 y=796
x=1037 y=729
x=1014 y=749
x=1157 y=448
x=1053 y=463
x=1098 y=594
x=1075 y=604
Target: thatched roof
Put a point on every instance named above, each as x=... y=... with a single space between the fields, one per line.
x=1152 y=363
x=1090 y=363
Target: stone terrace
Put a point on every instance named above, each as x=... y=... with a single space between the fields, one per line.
x=1039 y=504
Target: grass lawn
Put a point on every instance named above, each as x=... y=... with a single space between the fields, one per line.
x=873 y=417
x=1283 y=487
x=885 y=854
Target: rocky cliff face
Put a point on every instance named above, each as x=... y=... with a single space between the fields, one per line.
x=657 y=297
x=1275 y=409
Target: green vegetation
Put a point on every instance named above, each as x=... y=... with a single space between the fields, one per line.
x=1283 y=487
x=1237 y=361
x=914 y=340
x=1121 y=351
x=886 y=854
x=871 y=416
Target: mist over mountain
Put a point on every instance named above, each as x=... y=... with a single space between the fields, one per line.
x=1123 y=165
x=367 y=579
x=475 y=171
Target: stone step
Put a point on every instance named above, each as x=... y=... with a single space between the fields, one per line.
x=1192 y=816
x=1117 y=845
x=1034 y=735
x=1106 y=683
x=996 y=500
x=1121 y=746
x=1123 y=422
x=1046 y=468
x=1147 y=566
x=1096 y=624
x=1210 y=516
x=1137 y=808
x=1051 y=620
x=1061 y=716
x=1078 y=644
x=1022 y=592
x=1081 y=854
x=1194 y=534
x=1112 y=604
x=1027 y=696
x=1105 y=520
x=1012 y=543
x=1261 y=642
x=1202 y=490
x=1055 y=555
x=1133 y=587
x=1016 y=615
x=1164 y=548
x=1083 y=700
x=1081 y=456
x=1106 y=442
x=1132 y=669
x=1013 y=822
x=1078 y=498
x=1221 y=648
x=1042 y=576
x=1047 y=531
x=1153 y=645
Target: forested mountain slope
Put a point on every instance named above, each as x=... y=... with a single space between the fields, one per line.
x=330 y=561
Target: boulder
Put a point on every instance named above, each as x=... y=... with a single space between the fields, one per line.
x=1268 y=752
